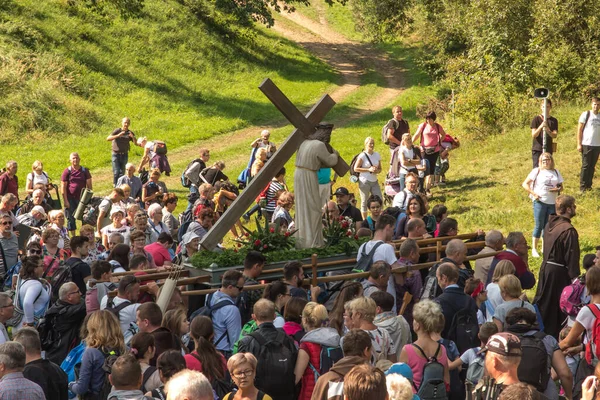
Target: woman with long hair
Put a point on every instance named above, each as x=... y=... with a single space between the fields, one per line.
x=177 y=322
x=119 y=258
x=416 y=208
x=279 y=293
x=104 y=339
x=32 y=296
x=143 y=348
x=205 y=358
x=349 y=291
x=543 y=185
x=494 y=298
x=368 y=165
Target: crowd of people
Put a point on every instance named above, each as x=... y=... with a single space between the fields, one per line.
x=79 y=318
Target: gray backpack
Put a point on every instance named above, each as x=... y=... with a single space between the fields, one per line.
x=432 y=381
x=384 y=136
x=475 y=370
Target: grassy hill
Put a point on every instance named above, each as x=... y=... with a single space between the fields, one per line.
x=68 y=74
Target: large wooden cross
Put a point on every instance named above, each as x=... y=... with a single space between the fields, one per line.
x=305 y=126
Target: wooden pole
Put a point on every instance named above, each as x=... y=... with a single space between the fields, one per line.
x=314 y=270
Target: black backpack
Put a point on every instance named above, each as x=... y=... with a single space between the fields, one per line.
x=185 y=219
x=109 y=359
x=534 y=367
x=431 y=289
x=62 y=275
x=91 y=211
x=208 y=311
x=275 y=367
x=432 y=380
x=328 y=356
x=464 y=328
x=353 y=164
x=116 y=310
x=366 y=260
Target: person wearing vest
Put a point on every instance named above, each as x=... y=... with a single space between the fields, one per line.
x=308 y=365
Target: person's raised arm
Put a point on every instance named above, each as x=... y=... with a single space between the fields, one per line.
x=116 y=134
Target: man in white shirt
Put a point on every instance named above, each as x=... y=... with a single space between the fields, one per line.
x=588 y=144
x=6 y=312
x=402 y=198
x=384 y=229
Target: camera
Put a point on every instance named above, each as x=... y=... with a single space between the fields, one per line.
x=541 y=93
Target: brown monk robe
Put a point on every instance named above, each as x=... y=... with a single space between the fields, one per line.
x=560 y=265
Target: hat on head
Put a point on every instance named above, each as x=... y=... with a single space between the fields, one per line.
x=188 y=237
x=401 y=369
x=115 y=210
x=505 y=344
x=40 y=210
x=342 y=191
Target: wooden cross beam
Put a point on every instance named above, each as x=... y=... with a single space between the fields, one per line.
x=305 y=126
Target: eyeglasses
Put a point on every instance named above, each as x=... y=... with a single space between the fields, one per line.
x=77 y=291
x=242 y=374
x=7 y=223
x=34 y=251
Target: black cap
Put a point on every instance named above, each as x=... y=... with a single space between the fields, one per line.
x=341 y=191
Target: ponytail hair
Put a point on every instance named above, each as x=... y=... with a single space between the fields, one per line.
x=201 y=331
x=140 y=344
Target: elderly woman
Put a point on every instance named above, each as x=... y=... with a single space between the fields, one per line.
x=37 y=175
x=281 y=216
x=543 y=185
x=153 y=190
x=430 y=135
x=263 y=143
x=138 y=244
x=140 y=224
x=116 y=217
x=368 y=164
x=170 y=204
x=242 y=367
x=57 y=222
x=36 y=199
x=155 y=223
x=95 y=248
x=32 y=295
x=52 y=254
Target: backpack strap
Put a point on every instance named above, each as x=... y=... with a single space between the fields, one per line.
x=50 y=265
x=259 y=338
x=435 y=355
x=595 y=310
x=147 y=374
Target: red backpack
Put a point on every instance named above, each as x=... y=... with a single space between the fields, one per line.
x=263 y=194
x=593 y=347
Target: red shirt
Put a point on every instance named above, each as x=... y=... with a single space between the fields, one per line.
x=194 y=364
x=159 y=253
x=9 y=185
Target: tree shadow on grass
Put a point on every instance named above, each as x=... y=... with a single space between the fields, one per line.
x=470 y=183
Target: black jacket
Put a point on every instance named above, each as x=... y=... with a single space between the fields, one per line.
x=60 y=331
x=452 y=301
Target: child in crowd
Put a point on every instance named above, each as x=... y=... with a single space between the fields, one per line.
x=573 y=356
x=475 y=288
x=472 y=356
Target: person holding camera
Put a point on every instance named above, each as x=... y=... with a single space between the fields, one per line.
x=263 y=143
x=154 y=189
x=430 y=135
x=120 y=138
x=539 y=128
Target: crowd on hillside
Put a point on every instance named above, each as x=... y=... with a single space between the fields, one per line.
x=80 y=316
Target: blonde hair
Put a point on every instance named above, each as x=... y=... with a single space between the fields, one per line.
x=285 y=199
x=37 y=164
x=259 y=152
x=367 y=140
x=511 y=286
x=85 y=229
x=428 y=314
x=365 y=306
x=314 y=315
x=104 y=331
x=504 y=267
x=239 y=359
x=398 y=387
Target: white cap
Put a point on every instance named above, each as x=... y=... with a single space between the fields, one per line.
x=188 y=237
x=116 y=210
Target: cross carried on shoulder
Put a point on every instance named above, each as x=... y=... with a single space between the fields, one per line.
x=305 y=126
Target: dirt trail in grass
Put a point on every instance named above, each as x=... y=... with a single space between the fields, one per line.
x=351 y=59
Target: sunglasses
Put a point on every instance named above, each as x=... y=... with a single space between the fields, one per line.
x=34 y=251
x=6 y=223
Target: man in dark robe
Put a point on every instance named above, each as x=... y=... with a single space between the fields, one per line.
x=560 y=265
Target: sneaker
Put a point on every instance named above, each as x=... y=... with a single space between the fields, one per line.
x=534 y=253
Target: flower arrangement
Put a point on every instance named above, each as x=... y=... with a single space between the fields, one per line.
x=340 y=231
x=266 y=238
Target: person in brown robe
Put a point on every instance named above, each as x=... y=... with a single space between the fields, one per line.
x=560 y=265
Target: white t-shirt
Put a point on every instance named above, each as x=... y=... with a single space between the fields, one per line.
x=494 y=299
x=384 y=252
x=591 y=130
x=586 y=318
x=409 y=154
x=110 y=229
x=375 y=160
x=544 y=179
x=127 y=317
x=35 y=178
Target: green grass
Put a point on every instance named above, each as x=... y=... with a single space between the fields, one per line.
x=175 y=78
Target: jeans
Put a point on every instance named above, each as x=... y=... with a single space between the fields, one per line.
x=541 y=211
x=70 y=213
x=365 y=190
x=589 y=157
x=119 y=160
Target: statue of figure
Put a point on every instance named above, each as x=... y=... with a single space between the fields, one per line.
x=313 y=154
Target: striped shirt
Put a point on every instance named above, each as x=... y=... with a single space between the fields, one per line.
x=274 y=187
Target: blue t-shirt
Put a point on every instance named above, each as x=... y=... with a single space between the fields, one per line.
x=324 y=175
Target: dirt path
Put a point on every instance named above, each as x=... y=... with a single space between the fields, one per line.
x=351 y=59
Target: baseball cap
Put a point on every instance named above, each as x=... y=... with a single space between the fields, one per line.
x=341 y=191
x=401 y=369
x=505 y=344
x=188 y=237
x=115 y=210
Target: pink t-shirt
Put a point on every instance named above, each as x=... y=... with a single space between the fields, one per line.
x=159 y=253
x=431 y=135
x=416 y=362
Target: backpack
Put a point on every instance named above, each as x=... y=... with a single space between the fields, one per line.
x=62 y=275
x=160 y=147
x=73 y=358
x=275 y=359
x=328 y=356
x=353 y=164
x=109 y=359
x=185 y=181
x=147 y=374
x=91 y=211
x=534 y=367
x=185 y=219
x=116 y=310
x=432 y=381
x=263 y=195
x=475 y=369
x=384 y=135
x=464 y=328
x=431 y=289
x=570 y=298
x=208 y=311
x=592 y=348
x=366 y=260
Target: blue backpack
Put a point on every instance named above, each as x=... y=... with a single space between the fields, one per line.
x=68 y=365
